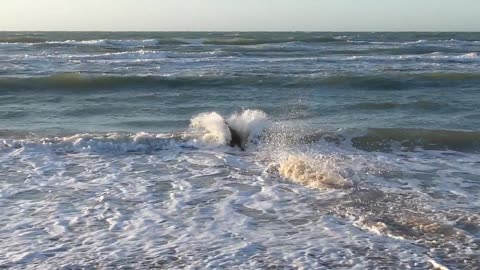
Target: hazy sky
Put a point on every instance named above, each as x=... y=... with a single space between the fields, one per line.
x=241 y=15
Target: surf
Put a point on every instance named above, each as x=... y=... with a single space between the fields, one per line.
x=239 y=129
x=98 y=82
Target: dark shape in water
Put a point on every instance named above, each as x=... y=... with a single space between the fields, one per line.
x=236 y=139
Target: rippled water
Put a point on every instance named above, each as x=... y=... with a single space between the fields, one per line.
x=363 y=150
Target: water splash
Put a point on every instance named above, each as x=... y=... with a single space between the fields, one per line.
x=212 y=128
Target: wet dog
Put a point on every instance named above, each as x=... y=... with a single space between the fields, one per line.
x=236 y=140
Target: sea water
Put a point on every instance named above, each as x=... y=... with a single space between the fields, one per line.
x=363 y=150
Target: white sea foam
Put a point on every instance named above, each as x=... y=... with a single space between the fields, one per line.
x=101 y=143
x=314 y=173
x=80 y=42
x=420 y=57
x=86 y=200
x=134 y=42
x=140 y=54
x=127 y=56
x=469 y=55
x=84 y=210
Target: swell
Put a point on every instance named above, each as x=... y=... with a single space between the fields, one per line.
x=401 y=139
x=409 y=139
x=365 y=46
x=260 y=41
x=390 y=140
x=38 y=41
x=388 y=105
x=245 y=38
x=170 y=41
x=22 y=39
x=219 y=39
x=398 y=81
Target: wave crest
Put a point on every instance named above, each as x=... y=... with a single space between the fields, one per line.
x=65 y=81
x=100 y=143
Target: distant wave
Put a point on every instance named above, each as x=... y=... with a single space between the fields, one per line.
x=22 y=39
x=104 y=42
x=233 y=38
x=173 y=40
x=94 y=42
x=373 y=82
x=258 y=41
x=422 y=104
x=416 y=56
x=125 y=56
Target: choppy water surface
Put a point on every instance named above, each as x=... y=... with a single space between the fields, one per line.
x=363 y=150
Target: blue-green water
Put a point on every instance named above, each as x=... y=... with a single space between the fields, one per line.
x=77 y=82
x=101 y=152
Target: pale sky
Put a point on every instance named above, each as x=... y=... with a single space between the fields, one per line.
x=240 y=15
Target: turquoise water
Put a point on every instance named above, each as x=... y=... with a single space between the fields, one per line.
x=108 y=161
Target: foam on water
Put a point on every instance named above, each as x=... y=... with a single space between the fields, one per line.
x=368 y=158
x=104 y=197
x=312 y=173
x=100 y=143
x=105 y=42
x=80 y=42
x=140 y=54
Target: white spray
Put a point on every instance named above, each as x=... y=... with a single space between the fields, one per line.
x=212 y=128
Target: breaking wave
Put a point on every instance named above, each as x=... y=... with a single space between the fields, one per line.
x=102 y=143
x=112 y=42
x=206 y=130
x=213 y=128
x=283 y=151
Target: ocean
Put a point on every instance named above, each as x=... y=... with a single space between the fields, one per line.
x=362 y=150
